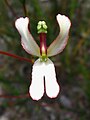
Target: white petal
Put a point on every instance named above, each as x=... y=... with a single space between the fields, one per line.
x=60 y=42
x=52 y=87
x=27 y=40
x=37 y=85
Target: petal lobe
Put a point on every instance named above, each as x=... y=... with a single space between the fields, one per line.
x=27 y=41
x=60 y=42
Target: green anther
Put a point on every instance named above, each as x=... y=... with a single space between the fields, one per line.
x=45 y=26
x=42 y=27
x=39 y=27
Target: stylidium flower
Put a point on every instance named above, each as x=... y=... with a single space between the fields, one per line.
x=43 y=70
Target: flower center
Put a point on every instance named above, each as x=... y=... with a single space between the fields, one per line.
x=42 y=30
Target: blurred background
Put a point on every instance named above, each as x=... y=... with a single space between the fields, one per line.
x=72 y=65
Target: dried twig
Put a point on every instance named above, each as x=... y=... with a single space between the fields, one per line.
x=10 y=7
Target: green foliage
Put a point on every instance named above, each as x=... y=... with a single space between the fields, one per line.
x=22 y=1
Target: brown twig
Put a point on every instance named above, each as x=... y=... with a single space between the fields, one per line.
x=10 y=7
x=16 y=56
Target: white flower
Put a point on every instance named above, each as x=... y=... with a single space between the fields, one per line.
x=43 y=68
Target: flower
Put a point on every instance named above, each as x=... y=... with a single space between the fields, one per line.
x=43 y=68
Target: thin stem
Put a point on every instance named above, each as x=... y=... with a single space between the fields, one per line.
x=24 y=8
x=10 y=7
x=42 y=104
x=16 y=56
x=18 y=96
